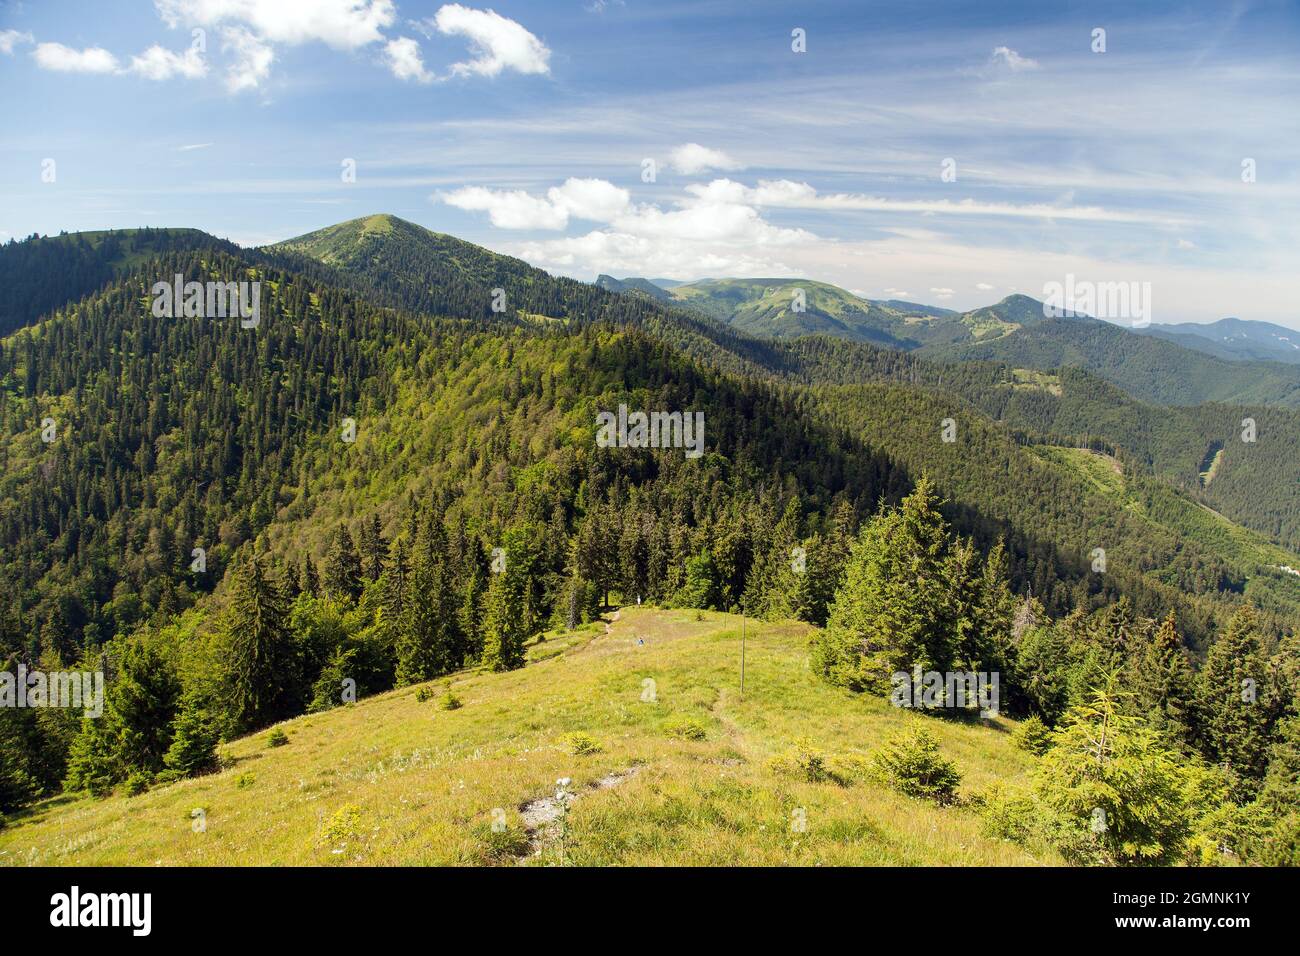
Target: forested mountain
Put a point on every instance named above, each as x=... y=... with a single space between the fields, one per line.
x=644 y=286
x=350 y=467
x=1147 y=367
x=1236 y=339
x=42 y=273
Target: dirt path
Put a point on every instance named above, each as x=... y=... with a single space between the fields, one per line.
x=543 y=817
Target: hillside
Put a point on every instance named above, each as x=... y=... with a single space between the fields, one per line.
x=771 y=308
x=1148 y=368
x=43 y=273
x=1235 y=339
x=392 y=780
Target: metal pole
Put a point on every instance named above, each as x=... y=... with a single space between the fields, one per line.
x=742 y=654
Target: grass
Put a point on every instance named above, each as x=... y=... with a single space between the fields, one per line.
x=389 y=780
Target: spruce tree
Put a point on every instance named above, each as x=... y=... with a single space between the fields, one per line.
x=1233 y=718
x=892 y=611
x=343 y=567
x=261 y=670
x=193 y=749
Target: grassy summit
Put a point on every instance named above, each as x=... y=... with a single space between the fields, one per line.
x=399 y=780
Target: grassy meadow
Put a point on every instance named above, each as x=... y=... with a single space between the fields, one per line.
x=615 y=707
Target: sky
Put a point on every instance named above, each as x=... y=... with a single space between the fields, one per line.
x=942 y=152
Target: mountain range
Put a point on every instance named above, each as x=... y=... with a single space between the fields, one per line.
x=1194 y=517
x=1227 y=361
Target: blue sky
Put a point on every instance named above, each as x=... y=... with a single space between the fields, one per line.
x=527 y=127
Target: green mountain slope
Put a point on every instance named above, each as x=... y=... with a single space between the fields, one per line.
x=41 y=274
x=393 y=780
x=1234 y=339
x=1146 y=367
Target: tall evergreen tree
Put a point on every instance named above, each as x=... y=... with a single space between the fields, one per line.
x=1233 y=717
x=261 y=663
x=343 y=567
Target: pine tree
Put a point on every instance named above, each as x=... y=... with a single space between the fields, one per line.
x=1233 y=719
x=93 y=765
x=892 y=611
x=503 y=623
x=1163 y=684
x=261 y=671
x=1116 y=795
x=310 y=577
x=373 y=547
x=193 y=749
x=143 y=700
x=343 y=567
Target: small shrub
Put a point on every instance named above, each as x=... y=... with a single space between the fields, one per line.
x=449 y=700
x=1006 y=814
x=244 y=781
x=344 y=825
x=685 y=727
x=803 y=760
x=911 y=763
x=580 y=744
x=423 y=693
x=277 y=738
x=848 y=768
x=136 y=784
x=1033 y=736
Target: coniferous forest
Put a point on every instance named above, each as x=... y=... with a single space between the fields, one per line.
x=369 y=491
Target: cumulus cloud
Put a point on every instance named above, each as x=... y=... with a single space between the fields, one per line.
x=157 y=63
x=404 y=59
x=252 y=59
x=700 y=234
x=496 y=42
x=11 y=38
x=508 y=209
x=64 y=59
x=984 y=286
x=942 y=293
x=342 y=24
x=1013 y=61
x=691 y=159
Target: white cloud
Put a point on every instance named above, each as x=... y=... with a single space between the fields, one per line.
x=1186 y=244
x=984 y=286
x=497 y=43
x=64 y=59
x=157 y=63
x=508 y=209
x=692 y=158
x=403 y=57
x=342 y=24
x=252 y=63
x=786 y=194
x=942 y=293
x=192 y=146
x=595 y=199
x=1005 y=56
x=11 y=38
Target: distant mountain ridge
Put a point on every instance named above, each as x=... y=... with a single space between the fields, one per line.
x=1233 y=338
